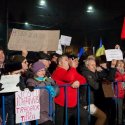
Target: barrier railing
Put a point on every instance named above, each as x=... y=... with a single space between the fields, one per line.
x=78 y=102
x=27 y=123
x=51 y=112
x=116 y=100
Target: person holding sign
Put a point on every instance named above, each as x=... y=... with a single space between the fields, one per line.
x=105 y=94
x=19 y=66
x=40 y=80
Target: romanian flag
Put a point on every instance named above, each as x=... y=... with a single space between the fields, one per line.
x=101 y=50
x=123 y=30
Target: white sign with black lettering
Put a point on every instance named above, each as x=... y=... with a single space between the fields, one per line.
x=113 y=54
x=9 y=83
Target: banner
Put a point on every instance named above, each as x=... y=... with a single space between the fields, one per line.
x=34 y=40
x=27 y=105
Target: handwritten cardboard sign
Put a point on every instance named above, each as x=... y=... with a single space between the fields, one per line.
x=27 y=105
x=9 y=83
x=65 y=40
x=114 y=54
x=34 y=40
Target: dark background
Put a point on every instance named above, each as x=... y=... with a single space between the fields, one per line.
x=69 y=16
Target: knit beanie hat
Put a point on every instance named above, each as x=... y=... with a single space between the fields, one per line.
x=37 y=66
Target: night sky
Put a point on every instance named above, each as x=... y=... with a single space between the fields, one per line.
x=70 y=17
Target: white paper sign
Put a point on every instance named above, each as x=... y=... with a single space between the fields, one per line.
x=9 y=83
x=27 y=105
x=65 y=40
x=114 y=54
x=59 y=51
x=34 y=40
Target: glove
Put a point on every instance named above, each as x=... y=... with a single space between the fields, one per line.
x=22 y=86
x=31 y=88
x=1 y=87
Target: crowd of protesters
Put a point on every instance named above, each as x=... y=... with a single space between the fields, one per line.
x=53 y=70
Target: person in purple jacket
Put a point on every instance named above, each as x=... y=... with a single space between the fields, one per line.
x=40 y=80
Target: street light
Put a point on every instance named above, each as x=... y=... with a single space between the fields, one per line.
x=90 y=9
x=26 y=23
x=42 y=3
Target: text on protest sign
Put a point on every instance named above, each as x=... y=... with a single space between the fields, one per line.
x=9 y=83
x=34 y=40
x=113 y=54
x=27 y=105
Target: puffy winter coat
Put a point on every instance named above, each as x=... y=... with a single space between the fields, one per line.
x=119 y=89
x=62 y=76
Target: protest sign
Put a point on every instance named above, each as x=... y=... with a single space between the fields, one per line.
x=34 y=40
x=59 y=50
x=113 y=54
x=65 y=40
x=9 y=83
x=27 y=105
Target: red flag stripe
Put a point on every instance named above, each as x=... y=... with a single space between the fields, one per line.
x=123 y=30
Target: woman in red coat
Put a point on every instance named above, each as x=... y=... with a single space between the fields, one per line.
x=120 y=89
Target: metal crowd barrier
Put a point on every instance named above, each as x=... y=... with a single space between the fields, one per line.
x=78 y=103
x=51 y=107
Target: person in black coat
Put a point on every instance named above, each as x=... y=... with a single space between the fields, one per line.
x=106 y=75
x=89 y=72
